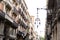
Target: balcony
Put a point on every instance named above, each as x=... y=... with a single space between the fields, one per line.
x=23 y=23
x=15 y=10
x=14 y=24
x=21 y=11
x=10 y=21
x=2 y=15
x=23 y=14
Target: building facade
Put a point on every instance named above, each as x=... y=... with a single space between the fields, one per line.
x=31 y=29
x=14 y=20
x=53 y=20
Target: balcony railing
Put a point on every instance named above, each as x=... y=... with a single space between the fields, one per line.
x=8 y=19
x=11 y=21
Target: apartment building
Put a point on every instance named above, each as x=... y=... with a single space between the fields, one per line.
x=53 y=20
x=9 y=22
x=31 y=28
x=14 y=20
x=35 y=35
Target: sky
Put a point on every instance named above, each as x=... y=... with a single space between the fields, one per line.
x=32 y=8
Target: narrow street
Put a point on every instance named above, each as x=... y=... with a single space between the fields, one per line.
x=29 y=20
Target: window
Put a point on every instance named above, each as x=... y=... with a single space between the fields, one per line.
x=8 y=8
x=1 y=28
x=14 y=1
x=14 y=15
x=12 y=31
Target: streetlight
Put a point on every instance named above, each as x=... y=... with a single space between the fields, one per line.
x=37 y=20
